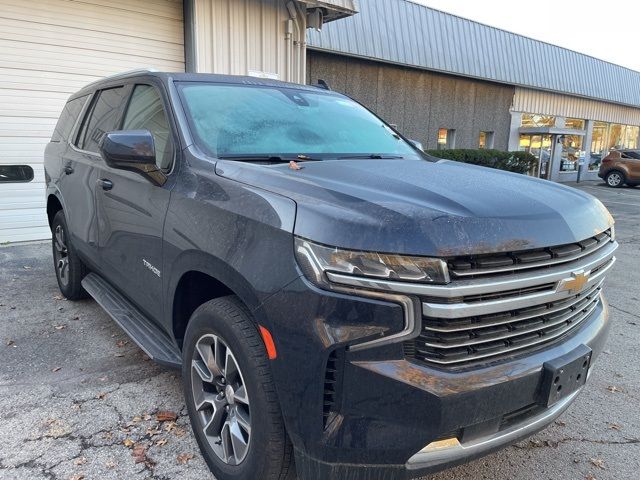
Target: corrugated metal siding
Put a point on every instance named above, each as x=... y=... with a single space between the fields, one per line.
x=48 y=50
x=547 y=103
x=238 y=37
x=406 y=33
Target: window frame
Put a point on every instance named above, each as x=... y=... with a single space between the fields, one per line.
x=28 y=180
x=167 y=112
x=88 y=113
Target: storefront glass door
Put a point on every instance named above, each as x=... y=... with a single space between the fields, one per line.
x=541 y=147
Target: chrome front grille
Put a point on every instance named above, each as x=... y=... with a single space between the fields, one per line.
x=501 y=310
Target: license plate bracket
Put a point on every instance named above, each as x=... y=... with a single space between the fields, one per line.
x=564 y=375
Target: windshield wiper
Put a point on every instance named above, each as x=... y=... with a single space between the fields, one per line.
x=371 y=156
x=268 y=158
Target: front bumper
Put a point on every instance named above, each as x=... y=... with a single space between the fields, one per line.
x=387 y=409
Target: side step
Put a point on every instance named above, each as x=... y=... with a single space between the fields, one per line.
x=141 y=330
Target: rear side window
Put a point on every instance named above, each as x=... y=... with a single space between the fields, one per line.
x=631 y=154
x=68 y=119
x=103 y=118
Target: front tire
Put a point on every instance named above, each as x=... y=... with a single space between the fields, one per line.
x=70 y=270
x=231 y=397
x=614 y=179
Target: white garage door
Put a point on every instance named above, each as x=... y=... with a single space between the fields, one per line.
x=50 y=49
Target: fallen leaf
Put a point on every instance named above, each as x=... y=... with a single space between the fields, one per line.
x=121 y=343
x=27 y=267
x=128 y=443
x=139 y=453
x=153 y=431
x=57 y=297
x=179 y=432
x=614 y=389
x=76 y=317
x=589 y=477
x=146 y=417
x=101 y=395
x=166 y=416
x=56 y=369
x=136 y=419
x=615 y=426
x=110 y=465
x=59 y=327
x=597 y=462
x=77 y=477
x=183 y=458
x=119 y=355
x=560 y=423
x=161 y=442
x=80 y=461
x=294 y=166
x=10 y=342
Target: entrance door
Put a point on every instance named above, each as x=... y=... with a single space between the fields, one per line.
x=541 y=147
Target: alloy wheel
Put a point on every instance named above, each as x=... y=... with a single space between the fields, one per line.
x=61 y=254
x=614 y=179
x=221 y=399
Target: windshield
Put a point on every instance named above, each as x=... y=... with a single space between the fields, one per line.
x=234 y=120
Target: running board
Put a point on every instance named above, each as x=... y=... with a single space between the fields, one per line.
x=143 y=331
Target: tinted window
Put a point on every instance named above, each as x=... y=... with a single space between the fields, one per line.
x=631 y=154
x=15 y=173
x=68 y=119
x=103 y=118
x=146 y=112
x=241 y=120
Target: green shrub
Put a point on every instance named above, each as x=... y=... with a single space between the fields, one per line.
x=519 y=162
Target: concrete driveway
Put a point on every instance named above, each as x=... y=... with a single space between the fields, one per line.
x=78 y=400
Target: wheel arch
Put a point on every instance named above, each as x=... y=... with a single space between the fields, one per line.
x=201 y=278
x=54 y=205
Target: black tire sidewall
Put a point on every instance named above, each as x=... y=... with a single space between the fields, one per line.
x=242 y=337
x=77 y=270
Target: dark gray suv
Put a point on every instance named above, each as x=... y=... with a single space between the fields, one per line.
x=341 y=304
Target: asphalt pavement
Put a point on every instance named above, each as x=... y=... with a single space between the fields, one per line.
x=79 y=400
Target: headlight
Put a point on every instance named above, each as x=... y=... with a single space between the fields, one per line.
x=315 y=260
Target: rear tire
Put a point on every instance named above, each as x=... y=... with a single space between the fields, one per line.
x=229 y=388
x=615 y=179
x=70 y=270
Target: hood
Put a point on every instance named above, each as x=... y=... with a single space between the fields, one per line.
x=418 y=207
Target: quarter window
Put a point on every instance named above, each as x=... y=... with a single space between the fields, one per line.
x=146 y=112
x=68 y=119
x=103 y=118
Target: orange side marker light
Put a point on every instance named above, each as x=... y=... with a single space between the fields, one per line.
x=268 y=343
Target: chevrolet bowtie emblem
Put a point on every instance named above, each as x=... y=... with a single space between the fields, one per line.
x=574 y=284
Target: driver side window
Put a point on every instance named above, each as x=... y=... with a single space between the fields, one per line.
x=146 y=112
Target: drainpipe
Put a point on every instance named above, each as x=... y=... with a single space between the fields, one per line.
x=190 y=48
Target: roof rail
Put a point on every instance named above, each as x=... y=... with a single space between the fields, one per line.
x=123 y=74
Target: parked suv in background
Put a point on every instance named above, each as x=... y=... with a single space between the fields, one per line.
x=621 y=167
x=332 y=294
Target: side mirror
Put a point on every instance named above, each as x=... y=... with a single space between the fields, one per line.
x=417 y=144
x=132 y=150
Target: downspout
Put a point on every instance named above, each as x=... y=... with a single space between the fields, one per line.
x=296 y=13
x=190 y=47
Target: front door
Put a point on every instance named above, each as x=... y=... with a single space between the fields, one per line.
x=541 y=147
x=131 y=208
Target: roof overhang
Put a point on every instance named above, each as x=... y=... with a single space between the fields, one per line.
x=334 y=9
x=551 y=131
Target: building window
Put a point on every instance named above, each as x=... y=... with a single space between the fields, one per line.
x=15 y=173
x=446 y=138
x=535 y=120
x=574 y=123
x=598 y=144
x=571 y=146
x=485 y=140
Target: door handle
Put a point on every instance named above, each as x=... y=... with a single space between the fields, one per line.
x=105 y=183
x=68 y=169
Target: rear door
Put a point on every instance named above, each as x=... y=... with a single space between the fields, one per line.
x=631 y=159
x=132 y=209
x=79 y=170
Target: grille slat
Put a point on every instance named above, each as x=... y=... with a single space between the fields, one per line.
x=478 y=266
x=502 y=321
